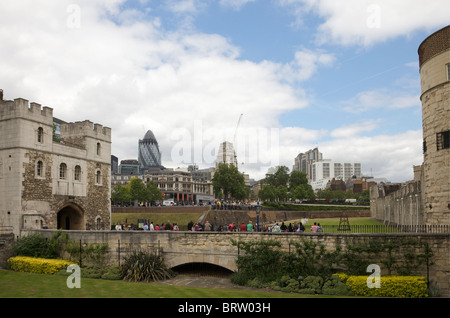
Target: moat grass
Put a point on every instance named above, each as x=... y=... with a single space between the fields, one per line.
x=29 y=285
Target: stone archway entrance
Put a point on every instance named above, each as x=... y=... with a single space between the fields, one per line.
x=71 y=217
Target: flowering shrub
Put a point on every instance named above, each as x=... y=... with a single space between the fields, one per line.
x=37 y=265
x=390 y=286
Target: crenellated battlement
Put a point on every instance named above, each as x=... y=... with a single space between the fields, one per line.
x=21 y=108
x=86 y=129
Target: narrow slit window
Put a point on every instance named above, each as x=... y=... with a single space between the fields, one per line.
x=39 y=169
x=40 y=135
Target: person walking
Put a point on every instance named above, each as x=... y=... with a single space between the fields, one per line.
x=208 y=226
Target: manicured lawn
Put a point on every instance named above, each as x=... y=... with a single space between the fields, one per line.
x=358 y=224
x=27 y=285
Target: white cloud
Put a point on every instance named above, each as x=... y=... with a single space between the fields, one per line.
x=366 y=22
x=379 y=99
x=350 y=131
x=235 y=4
x=391 y=156
x=308 y=61
x=133 y=76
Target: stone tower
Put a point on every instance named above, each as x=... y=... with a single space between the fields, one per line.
x=49 y=180
x=434 y=63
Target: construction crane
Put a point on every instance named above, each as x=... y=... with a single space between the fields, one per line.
x=234 y=139
x=235 y=132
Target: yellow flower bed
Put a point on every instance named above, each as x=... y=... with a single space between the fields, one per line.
x=390 y=286
x=37 y=265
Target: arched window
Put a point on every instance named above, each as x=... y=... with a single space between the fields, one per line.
x=40 y=169
x=98 y=149
x=77 y=173
x=40 y=135
x=63 y=171
x=98 y=177
x=98 y=223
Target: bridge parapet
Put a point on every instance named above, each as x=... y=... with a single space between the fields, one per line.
x=216 y=248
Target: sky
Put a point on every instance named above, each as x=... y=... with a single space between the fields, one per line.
x=274 y=77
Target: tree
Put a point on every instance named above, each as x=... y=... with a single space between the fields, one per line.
x=229 y=182
x=138 y=190
x=297 y=178
x=277 y=176
x=120 y=193
x=268 y=193
x=282 y=193
x=303 y=192
x=154 y=192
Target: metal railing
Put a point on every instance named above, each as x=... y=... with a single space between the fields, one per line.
x=384 y=228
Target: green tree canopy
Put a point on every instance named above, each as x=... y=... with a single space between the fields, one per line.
x=154 y=192
x=303 y=192
x=229 y=182
x=144 y=193
x=267 y=193
x=297 y=178
x=120 y=193
x=277 y=176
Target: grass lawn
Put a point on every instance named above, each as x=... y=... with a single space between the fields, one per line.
x=356 y=221
x=29 y=285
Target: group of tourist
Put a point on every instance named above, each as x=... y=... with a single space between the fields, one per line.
x=150 y=227
x=316 y=228
x=232 y=227
x=233 y=205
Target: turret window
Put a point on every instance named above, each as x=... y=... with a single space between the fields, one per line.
x=443 y=140
x=40 y=135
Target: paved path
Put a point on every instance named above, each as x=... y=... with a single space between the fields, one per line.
x=190 y=280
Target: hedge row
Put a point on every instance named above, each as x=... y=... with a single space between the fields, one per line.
x=37 y=265
x=390 y=286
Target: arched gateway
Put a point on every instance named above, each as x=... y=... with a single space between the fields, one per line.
x=71 y=217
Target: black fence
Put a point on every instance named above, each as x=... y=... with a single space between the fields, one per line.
x=376 y=228
x=384 y=228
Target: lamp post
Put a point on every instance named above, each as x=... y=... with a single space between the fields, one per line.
x=258 y=209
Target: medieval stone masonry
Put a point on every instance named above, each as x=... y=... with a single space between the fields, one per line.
x=427 y=202
x=48 y=180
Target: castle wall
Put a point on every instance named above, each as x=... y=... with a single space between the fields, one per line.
x=434 y=57
x=31 y=195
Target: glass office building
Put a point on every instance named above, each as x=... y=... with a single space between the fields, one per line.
x=149 y=155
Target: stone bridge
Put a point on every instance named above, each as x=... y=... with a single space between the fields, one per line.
x=185 y=247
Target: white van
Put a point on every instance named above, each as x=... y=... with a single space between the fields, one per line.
x=168 y=203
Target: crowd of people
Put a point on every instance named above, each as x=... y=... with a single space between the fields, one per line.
x=233 y=205
x=231 y=227
x=149 y=227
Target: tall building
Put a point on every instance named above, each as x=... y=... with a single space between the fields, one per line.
x=129 y=167
x=226 y=154
x=149 y=155
x=303 y=162
x=325 y=170
x=434 y=63
x=49 y=180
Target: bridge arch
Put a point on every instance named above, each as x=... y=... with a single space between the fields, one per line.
x=174 y=260
x=202 y=269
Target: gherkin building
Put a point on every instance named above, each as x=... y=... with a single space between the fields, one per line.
x=149 y=155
